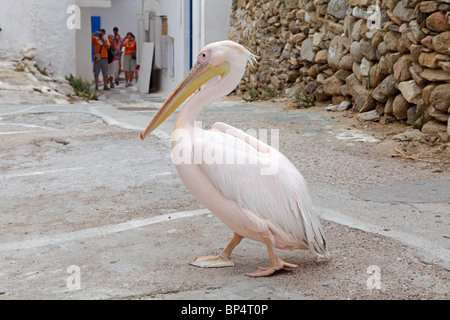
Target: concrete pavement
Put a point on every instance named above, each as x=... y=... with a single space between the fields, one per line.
x=91 y=211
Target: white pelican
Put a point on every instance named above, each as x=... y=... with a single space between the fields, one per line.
x=272 y=207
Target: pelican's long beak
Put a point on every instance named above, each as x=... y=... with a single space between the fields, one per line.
x=198 y=76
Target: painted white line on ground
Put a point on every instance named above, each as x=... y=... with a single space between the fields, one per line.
x=16 y=132
x=20 y=111
x=113 y=122
x=38 y=173
x=41 y=173
x=99 y=231
x=25 y=125
x=413 y=240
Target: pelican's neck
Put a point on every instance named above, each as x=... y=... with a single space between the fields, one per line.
x=191 y=110
x=201 y=99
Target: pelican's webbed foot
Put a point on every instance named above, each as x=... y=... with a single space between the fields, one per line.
x=212 y=262
x=264 y=272
x=275 y=262
x=222 y=260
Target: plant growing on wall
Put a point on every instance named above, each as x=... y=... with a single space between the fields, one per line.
x=82 y=88
x=253 y=95
x=303 y=100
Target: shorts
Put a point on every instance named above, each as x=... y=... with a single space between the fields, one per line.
x=129 y=64
x=102 y=66
x=113 y=69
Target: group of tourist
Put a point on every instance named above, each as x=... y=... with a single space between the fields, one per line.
x=108 y=58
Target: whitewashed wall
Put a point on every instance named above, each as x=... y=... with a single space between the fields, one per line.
x=177 y=13
x=41 y=23
x=83 y=41
x=121 y=14
x=210 y=22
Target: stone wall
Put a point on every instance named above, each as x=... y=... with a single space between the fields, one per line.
x=391 y=57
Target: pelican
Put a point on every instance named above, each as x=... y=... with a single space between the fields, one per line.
x=272 y=206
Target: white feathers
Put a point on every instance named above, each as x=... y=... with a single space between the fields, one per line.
x=252 y=58
x=282 y=198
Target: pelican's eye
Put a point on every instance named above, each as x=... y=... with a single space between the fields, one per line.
x=204 y=57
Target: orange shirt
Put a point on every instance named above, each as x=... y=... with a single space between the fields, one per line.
x=129 y=47
x=97 y=45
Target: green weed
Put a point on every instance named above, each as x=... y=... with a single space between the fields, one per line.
x=82 y=88
x=20 y=66
x=303 y=100
x=253 y=95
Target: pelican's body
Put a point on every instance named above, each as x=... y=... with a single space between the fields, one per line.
x=251 y=187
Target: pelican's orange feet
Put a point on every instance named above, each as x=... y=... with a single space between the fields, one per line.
x=264 y=272
x=212 y=262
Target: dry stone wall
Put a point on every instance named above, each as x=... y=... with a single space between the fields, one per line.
x=388 y=57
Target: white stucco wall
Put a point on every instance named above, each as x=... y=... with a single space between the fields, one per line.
x=177 y=13
x=84 y=46
x=41 y=23
x=217 y=20
x=210 y=23
x=121 y=14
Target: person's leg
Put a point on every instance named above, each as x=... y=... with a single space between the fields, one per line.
x=116 y=71
x=96 y=73
x=120 y=69
x=133 y=70
x=105 y=83
x=130 y=78
x=110 y=74
x=126 y=68
x=105 y=73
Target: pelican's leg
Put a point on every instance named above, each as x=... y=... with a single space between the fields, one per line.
x=222 y=260
x=275 y=262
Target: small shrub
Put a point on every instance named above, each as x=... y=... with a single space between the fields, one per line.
x=303 y=100
x=82 y=88
x=42 y=71
x=253 y=93
x=20 y=66
x=271 y=94
x=388 y=119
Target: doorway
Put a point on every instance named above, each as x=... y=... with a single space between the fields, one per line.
x=96 y=24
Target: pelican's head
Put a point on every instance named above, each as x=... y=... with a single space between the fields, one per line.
x=226 y=59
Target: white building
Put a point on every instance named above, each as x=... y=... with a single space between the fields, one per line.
x=179 y=29
x=48 y=26
x=61 y=31
x=123 y=14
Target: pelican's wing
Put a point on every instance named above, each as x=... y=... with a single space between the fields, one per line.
x=261 y=180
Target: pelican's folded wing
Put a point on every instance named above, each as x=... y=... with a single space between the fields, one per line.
x=262 y=180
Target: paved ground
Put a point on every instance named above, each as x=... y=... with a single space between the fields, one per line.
x=90 y=211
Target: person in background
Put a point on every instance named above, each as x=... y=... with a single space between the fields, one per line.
x=101 y=47
x=119 y=40
x=118 y=58
x=114 y=64
x=129 y=59
x=136 y=73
